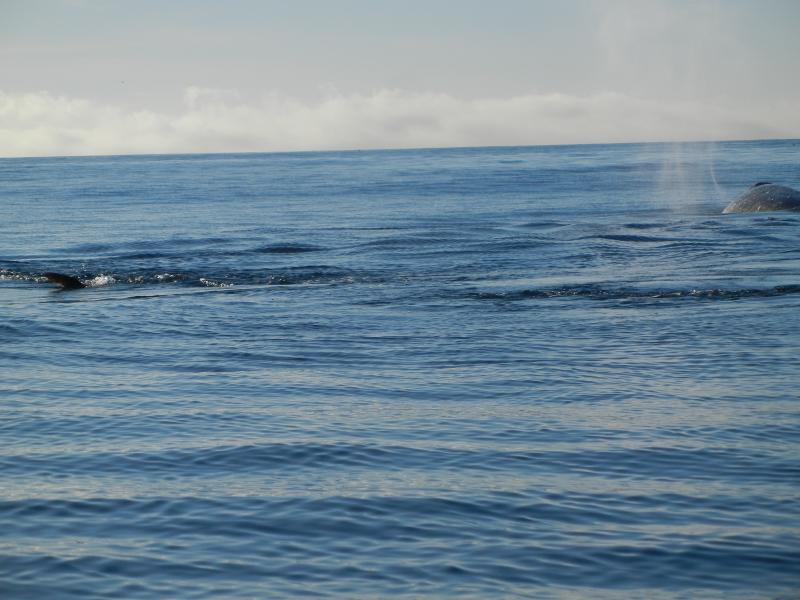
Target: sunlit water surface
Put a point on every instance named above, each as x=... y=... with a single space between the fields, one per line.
x=553 y=372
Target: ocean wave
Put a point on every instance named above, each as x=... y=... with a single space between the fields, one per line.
x=601 y=293
x=173 y=515
x=324 y=274
x=621 y=237
x=658 y=463
x=287 y=249
x=301 y=275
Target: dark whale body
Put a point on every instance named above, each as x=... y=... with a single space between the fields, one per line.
x=765 y=197
x=65 y=281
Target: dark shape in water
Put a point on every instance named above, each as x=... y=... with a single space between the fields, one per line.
x=65 y=281
x=765 y=196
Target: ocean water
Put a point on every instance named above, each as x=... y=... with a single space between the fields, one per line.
x=541 y=372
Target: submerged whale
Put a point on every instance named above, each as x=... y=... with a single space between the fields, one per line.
x=765 y=197
x=65 y=281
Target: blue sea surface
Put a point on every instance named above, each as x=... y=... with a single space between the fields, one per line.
x=537 y=372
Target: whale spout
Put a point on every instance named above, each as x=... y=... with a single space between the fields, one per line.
x=765 y=196
x=66 y=282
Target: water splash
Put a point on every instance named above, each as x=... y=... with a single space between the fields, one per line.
x=100 y=281
x=717 y=188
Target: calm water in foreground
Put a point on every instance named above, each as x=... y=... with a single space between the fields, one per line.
x=552 y=372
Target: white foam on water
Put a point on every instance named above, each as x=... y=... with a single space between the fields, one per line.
x=100 y=281
x=211 y=283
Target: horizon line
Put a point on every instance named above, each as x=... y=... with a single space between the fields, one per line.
x=398 y=149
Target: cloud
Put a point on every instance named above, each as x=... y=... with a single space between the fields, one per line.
x=42 y=123
x=194 y=96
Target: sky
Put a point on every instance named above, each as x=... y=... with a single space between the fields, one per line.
x=83 y=77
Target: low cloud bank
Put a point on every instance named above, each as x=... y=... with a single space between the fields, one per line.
x=44 y=124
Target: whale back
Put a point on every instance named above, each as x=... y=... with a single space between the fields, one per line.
x=67 y=282
x=763 y=197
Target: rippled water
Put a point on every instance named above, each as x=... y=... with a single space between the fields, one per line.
x=552 y=372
